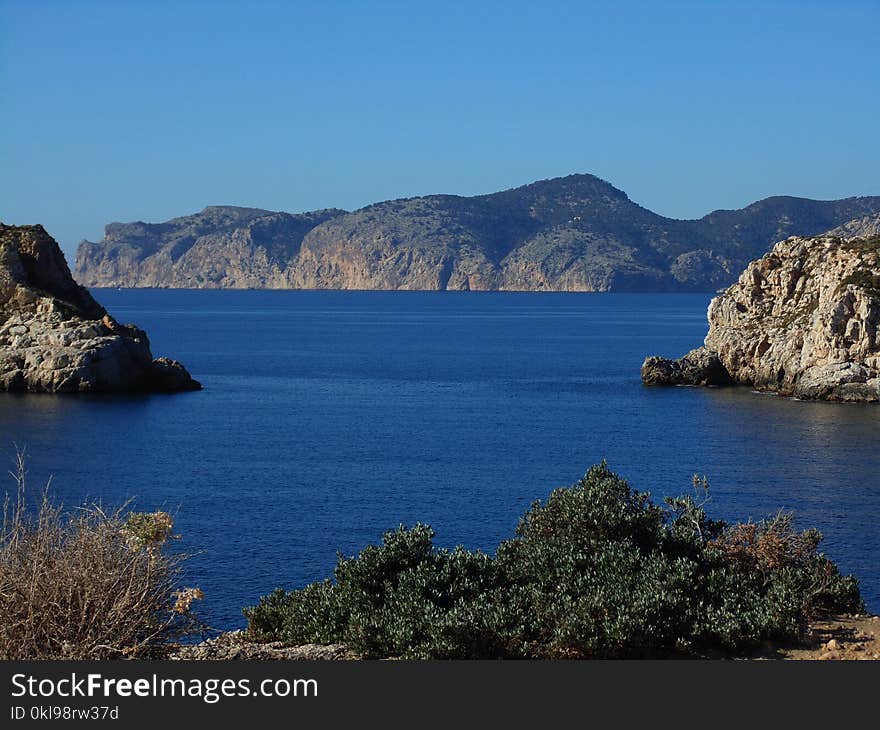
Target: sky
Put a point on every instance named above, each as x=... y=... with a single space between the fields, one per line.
x=122 y=111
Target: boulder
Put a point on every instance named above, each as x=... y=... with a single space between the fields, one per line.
x=698 y=367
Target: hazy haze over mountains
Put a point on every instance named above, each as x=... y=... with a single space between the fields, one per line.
x=575 y=233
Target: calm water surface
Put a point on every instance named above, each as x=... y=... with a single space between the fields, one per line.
x=328 y=417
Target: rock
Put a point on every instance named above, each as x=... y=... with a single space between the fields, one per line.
x=864 y=227
x=698 y=367
x=832 y=645
x=219 y=247
x=236 y=645
x=55 y=338
x=803 y=320
x=169 y=376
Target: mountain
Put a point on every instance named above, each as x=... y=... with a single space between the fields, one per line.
x=575 y=233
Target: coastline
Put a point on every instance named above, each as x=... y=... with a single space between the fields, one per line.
x=843 y=637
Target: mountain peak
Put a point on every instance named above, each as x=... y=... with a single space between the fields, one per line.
x=582 y=183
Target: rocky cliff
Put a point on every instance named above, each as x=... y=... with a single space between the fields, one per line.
x=54 y=337
x=576 y=233
x=221 y=247
x=802 y=320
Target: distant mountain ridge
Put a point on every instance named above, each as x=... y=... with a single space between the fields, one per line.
x=864 y=227
x=575 y=233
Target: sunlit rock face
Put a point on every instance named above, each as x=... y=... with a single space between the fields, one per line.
x=802 y=320
x=54 y=336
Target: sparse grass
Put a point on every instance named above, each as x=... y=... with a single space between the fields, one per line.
x=88 y=583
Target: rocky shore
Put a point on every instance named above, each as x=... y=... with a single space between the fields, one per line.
x=238 y=646
x=841 y=637
x=54 y=336
x=801 y=321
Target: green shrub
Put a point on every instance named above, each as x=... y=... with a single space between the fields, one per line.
x=597 y=570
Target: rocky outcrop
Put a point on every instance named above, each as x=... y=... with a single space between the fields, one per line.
x=698 y=367
x=55 y=338
x=803 y=320
x=576 y=233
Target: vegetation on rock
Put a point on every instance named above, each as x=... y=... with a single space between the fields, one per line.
x=574 y=233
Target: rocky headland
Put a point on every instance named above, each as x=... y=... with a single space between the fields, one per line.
x=574 y=233
x=801 y=321
x=54 y=336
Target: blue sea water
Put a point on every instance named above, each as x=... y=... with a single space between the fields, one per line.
x=329 y=417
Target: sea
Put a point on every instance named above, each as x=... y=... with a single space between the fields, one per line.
x=328 y=418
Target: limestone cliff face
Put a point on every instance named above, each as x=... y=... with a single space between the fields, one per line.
x=802 y=320
x=864 y=227
x=576 y=233
x=55 y=338
x=221 y=247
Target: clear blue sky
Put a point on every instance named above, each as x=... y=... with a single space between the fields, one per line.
x=147 y=110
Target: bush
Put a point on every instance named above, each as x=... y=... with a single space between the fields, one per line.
x=88 y=584
x=597 y=570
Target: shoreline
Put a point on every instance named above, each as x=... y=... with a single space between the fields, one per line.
x=840 y=637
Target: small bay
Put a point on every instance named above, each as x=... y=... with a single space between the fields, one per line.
x=329 y=417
